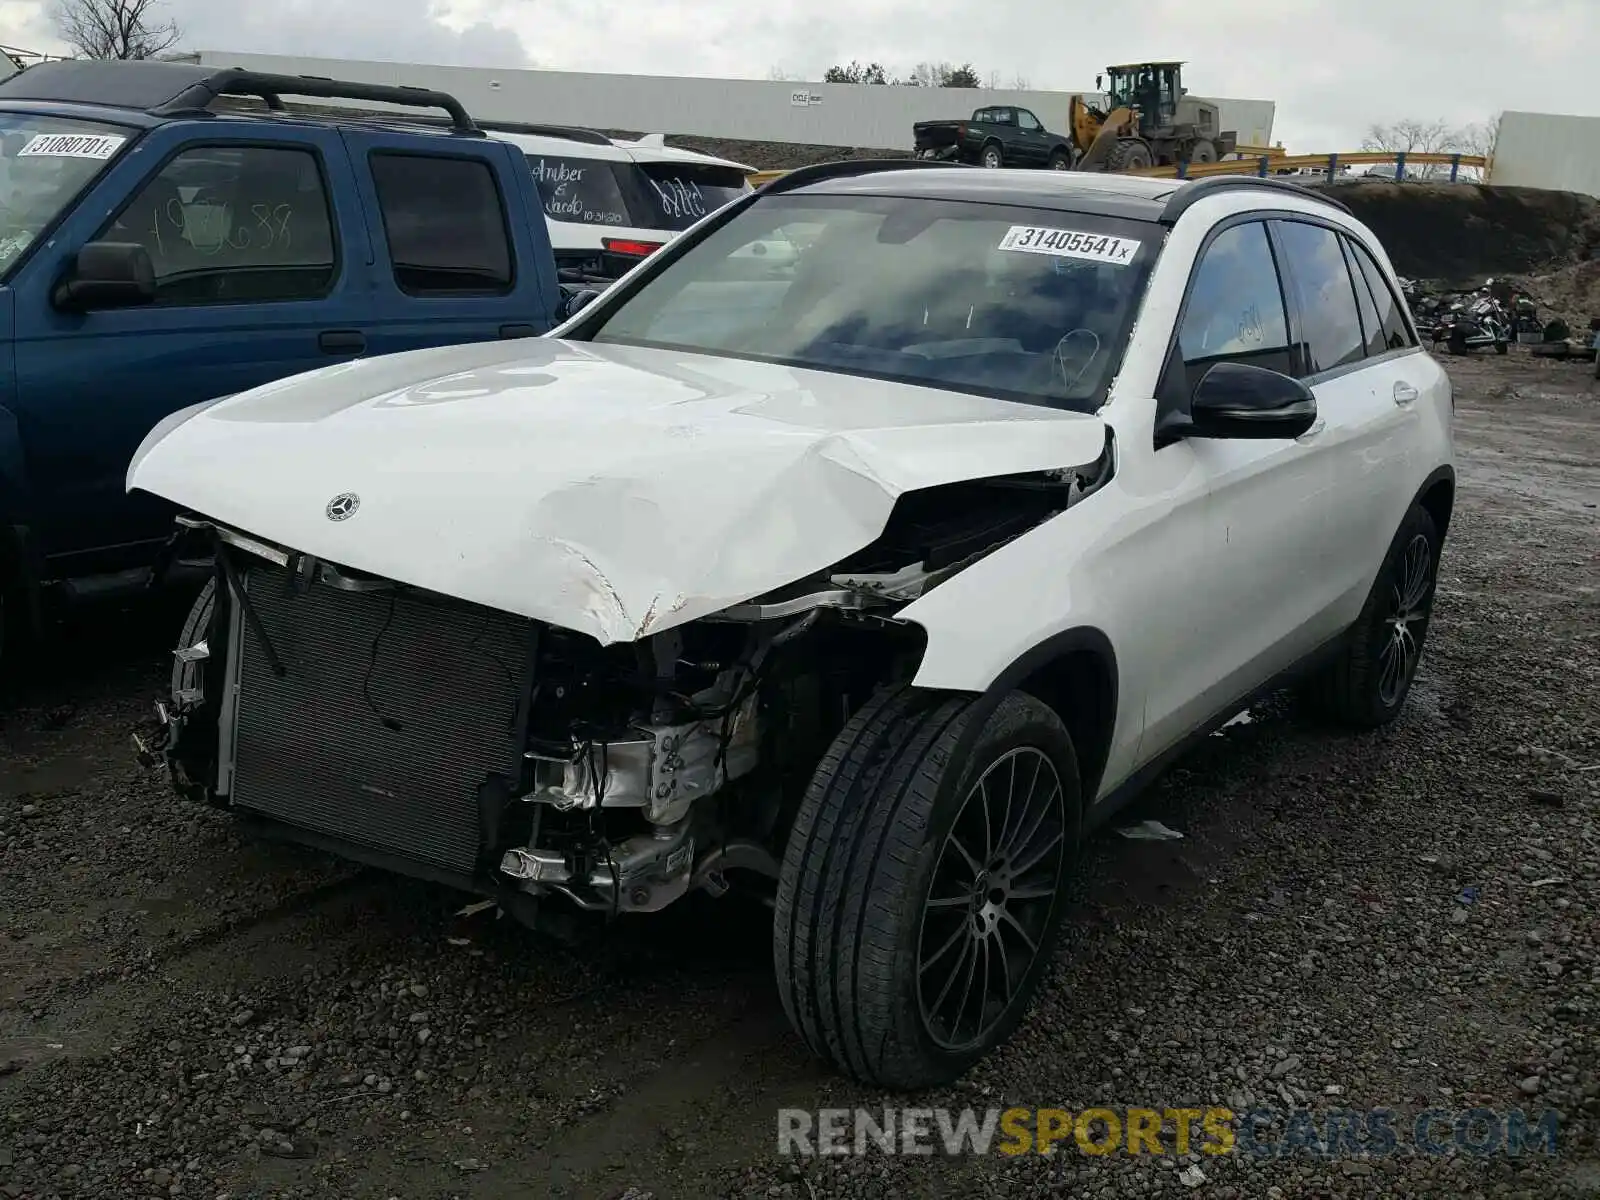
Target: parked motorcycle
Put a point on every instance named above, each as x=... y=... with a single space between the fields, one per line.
x=1469 y=326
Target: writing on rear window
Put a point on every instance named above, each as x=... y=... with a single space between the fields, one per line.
x=72 y=145
x=579 y=190
x=1068 y=243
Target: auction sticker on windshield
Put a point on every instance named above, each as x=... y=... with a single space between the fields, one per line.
x=72 y=145
x=1068 y=243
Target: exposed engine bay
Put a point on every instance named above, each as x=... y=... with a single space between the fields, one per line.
x=520 y=760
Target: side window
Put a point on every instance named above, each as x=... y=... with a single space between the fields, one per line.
x=582 y=190
x=1235 y=309
x=1371 y=326
x=232 y=224
x=1330 y=329
x=1390 y=314
x=1028 y=121
x=445 y=224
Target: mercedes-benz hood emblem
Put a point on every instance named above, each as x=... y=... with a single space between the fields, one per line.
x=343 y=506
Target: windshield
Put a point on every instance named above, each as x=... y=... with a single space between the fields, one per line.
x=1019 y=303
x=44 y=163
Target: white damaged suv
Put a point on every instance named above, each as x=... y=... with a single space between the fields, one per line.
x=875 y=576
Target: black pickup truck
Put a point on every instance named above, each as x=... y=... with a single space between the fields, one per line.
x=998 y=136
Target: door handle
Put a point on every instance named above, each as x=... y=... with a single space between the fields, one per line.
x=342 y=341
x=1404 y=393
x=518 y=331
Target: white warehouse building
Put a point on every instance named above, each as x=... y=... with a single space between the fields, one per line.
x=757 y=110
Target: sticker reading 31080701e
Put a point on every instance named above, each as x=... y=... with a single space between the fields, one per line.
x=72 y=145
x=1068 y=243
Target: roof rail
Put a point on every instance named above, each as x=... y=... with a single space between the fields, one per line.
x=844 y=168
x=572 y=133
x=1189 y=194
x=236 y=81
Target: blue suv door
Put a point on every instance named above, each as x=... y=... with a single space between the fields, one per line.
x=458 y=257
x=262 y=268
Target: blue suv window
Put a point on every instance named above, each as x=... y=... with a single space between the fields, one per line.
x=445 y=223
x=231 y=224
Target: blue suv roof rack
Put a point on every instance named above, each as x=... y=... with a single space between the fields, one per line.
x=167 y=89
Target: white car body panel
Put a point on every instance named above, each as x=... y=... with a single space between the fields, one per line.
x=623 y=491
x=616 y=491
x=1211 y=565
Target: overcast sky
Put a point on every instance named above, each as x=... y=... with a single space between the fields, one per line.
x=1333 y=66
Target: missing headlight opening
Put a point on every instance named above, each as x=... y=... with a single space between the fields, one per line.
x=525 y=761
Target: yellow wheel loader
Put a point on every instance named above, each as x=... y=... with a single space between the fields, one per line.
x=1149 y=120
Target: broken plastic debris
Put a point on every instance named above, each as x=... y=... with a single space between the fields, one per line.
x=1191 y=1177
x=1150 y=831
x=474 y=909
x=459 y=941
x=1551 y=882
x=1469 y=895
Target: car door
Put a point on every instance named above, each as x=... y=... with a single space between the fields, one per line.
x=452 y=264
x=1418 y=388
x=259 y=250
x=1246 y=614
x=1366 y=409
x=1032 y=140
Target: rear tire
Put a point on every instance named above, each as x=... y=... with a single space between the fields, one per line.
x=903 y=878
x=1367 y=684
x=992 y=156
x=1203 y=151
x=1060 y=160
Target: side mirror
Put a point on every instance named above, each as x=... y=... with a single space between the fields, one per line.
x=1237 y=400
x=107 y=275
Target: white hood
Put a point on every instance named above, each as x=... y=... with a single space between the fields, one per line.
x=616 y=491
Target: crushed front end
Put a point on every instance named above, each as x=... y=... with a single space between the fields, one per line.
x=519 y=760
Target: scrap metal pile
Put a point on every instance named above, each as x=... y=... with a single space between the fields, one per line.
x=1494 y=314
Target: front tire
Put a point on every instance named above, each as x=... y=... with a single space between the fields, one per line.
x=1367 y=684
x=921 y=890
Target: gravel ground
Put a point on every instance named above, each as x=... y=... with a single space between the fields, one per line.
x=1401 y=920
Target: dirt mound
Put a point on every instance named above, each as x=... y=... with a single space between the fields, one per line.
x=1457 y=234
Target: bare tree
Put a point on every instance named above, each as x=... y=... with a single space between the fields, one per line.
x=1479 y=137
x=114 y=28
x=1411 y=137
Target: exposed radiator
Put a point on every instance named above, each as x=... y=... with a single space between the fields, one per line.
x=394 y=710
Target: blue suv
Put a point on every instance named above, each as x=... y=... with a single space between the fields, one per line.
x=158 y=250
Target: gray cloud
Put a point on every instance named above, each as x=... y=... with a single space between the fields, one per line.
x=1333 y=69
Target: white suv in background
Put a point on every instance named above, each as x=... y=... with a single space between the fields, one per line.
x=874 y=578
x=610 y=203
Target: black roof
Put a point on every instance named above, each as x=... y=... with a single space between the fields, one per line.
x=1130 y=196
x=174 y=89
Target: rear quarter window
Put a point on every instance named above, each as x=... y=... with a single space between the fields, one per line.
x=583 y=191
